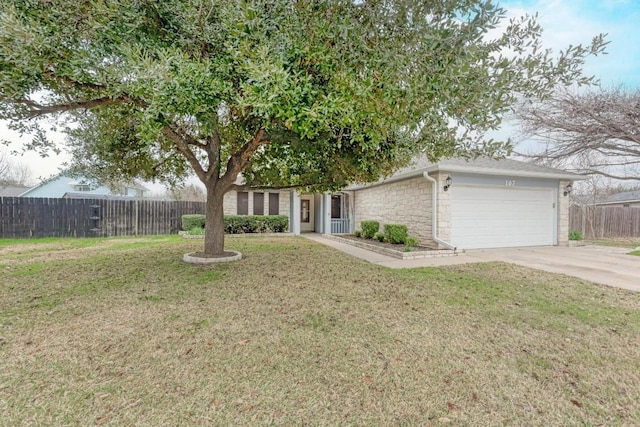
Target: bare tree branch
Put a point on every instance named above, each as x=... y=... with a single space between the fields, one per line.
x=573 y=125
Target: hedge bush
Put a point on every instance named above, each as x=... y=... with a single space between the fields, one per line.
x=191 y=221
x=369 y=228
x=237 y=224
x=395 y=233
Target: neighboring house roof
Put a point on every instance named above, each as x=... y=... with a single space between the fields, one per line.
x=624 y=197
x=60 y=185
x=483 y=165
x=12 y=190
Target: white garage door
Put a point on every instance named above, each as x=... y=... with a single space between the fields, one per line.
x=499 y=217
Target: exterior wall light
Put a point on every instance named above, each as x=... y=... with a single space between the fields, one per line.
x=447 y=183
x=568 y=189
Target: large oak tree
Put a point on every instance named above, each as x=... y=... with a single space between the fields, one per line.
x=305 y=94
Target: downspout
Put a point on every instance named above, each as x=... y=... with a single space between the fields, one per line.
x=434 y=213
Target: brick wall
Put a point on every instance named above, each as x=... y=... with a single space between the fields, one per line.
x=405 y=202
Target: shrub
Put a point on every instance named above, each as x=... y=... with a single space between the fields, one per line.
x=379 y=237
x=410 y=242
x=237 y=224
x=191 y=221
x=196 y=231
x=395 y=233
x=357 y=233
x=369 y=228
x=277 y=223
x=575 y=235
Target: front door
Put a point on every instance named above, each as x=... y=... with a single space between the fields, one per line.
x=306 y=214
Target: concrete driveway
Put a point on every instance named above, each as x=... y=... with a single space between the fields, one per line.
x=600 y=264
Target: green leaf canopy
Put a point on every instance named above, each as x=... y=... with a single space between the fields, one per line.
x=309 y=94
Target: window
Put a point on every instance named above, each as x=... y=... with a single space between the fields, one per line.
x=305 y=210
x=82 y=187
x=626 y=205
x=258 y=203
x=274 y=203
x=243 y=203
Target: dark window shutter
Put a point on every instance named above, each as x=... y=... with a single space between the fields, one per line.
x=274 y=203
x=243 y=203
x=258 y=203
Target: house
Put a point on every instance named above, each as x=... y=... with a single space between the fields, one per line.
x=9 y=190
x=71 y=187
x=455 y=203
x=626 y=199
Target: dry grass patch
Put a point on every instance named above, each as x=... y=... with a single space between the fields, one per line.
x=124 y=333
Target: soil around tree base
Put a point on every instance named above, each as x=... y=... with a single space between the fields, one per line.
x=203 y=258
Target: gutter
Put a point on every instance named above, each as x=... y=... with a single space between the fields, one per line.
x=434 y=213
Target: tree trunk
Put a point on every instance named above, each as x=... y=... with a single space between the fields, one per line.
x=214 y=225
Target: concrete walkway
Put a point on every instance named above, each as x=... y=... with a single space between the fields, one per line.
x=606 y=265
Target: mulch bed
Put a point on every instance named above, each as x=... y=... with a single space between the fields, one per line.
x=374 y=242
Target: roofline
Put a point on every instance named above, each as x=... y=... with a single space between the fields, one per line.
x=505 y=172
x=472 y=170
x=46 y=181
x=619 y=201
x=394 y=178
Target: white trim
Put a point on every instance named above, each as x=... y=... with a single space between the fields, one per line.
x=504 y=172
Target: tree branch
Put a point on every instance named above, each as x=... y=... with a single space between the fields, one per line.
x=182 y=145
x=240 y=159
x=36 y=110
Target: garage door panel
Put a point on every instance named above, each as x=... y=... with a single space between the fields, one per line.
x=484 y=217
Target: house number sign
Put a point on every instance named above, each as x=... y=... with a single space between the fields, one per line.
x=510 y=183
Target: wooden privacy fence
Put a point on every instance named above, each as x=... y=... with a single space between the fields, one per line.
x=24 y=217
x=605 y=221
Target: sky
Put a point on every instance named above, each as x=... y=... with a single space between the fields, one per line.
x=564 y=22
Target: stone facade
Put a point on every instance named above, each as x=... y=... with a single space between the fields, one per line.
x=405 y=202
x=563 y=214
x=231 y=203
x=444 y=208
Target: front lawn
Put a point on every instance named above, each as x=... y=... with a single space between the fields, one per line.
x=622 y=242
x=121 y=332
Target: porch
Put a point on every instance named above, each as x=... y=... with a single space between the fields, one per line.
x=322 y=213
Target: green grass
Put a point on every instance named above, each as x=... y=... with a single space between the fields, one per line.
x=636 y=253
x=122 y=332
x=621 y=242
